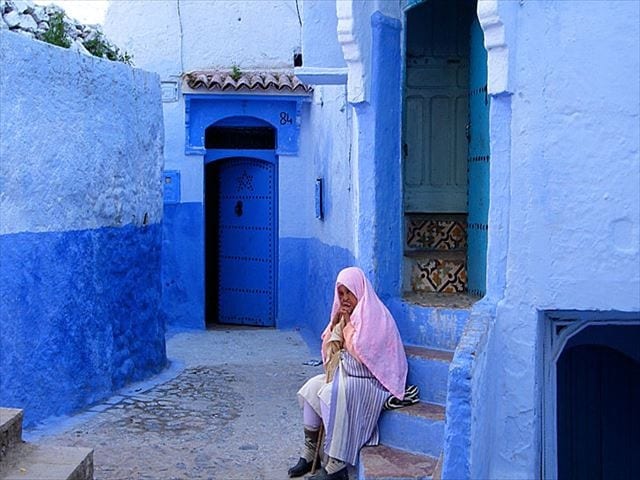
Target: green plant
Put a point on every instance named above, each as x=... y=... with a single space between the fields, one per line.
x=56 y=34
x=98 y=46
x=125 y=57
x=236 y=73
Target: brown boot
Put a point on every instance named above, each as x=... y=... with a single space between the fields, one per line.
x=342 y=474
x=305 y=462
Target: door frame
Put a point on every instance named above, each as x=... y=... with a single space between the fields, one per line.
x=215 y=155
x=558 y=329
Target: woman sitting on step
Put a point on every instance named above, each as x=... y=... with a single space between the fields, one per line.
x=365 y=363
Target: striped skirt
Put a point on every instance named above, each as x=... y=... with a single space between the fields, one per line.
x=355 y=399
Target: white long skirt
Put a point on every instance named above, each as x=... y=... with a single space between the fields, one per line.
x=355 y=399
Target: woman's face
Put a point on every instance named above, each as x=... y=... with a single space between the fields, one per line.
x=348 y=300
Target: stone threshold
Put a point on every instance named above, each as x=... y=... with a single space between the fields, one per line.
x=441 y=300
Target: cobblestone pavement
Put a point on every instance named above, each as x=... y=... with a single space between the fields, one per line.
x=226 y=409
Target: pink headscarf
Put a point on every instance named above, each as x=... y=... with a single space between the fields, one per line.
x=376 y=339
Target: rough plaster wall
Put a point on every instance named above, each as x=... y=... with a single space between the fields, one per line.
x=319 y=21
x=80 y=215
x=249 y=34
x=312 y=251
x=325 y=150
x=149 y=30
x=574 y=218
x=175 y=36
x=103 y=111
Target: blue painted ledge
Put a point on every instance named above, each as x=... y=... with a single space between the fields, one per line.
x=466 y=374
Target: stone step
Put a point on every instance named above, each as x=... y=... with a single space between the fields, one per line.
x=10 y=429
x=387 y=463
x=428 y=326
x=42 y=462
x=416 y=429
x=429 y=370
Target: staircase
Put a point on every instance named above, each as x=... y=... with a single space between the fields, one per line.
x=430 y=318
x=20 y=460
x=412 y=437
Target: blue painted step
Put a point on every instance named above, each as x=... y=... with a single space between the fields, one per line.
x=436 y=327
x=417 y=429
x=386 y=463
x=429 y=370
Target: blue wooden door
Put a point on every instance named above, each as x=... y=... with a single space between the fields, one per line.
x=246 y=241
x=478 y=164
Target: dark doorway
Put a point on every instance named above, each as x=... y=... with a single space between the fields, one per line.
x=445 y=149
x=598 y=404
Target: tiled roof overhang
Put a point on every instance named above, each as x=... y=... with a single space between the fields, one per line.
x=247 y=82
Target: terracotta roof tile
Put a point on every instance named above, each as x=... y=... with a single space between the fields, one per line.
x=258 y=82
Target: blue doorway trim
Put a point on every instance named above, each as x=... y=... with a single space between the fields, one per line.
x=213 y=155
x=282 y=112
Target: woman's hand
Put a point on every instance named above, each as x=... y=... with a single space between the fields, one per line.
x=340 y=317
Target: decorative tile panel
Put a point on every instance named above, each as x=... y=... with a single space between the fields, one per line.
x=435 y=234
x=439 y=275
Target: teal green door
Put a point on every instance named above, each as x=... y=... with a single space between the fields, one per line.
x=477 y=221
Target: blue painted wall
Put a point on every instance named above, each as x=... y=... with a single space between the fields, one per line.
x=564 y=219
x=80 y=227
x=183 y=265
x=386 y=210
x=78 y=318
x=307 y=272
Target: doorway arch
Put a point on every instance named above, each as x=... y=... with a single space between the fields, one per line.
x=591 y=365
x=240 y=222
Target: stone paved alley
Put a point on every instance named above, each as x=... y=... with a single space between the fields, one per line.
x=225 y=409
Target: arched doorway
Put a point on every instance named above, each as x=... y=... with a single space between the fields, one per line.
x=592 y=390
x=445 y=149
x=240 y=223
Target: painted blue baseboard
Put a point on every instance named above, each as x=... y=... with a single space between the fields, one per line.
x=79 y=316
x=183 y=265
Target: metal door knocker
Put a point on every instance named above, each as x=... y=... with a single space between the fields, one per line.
x=238 y=208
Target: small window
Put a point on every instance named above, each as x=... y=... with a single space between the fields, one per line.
x=250 y=138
